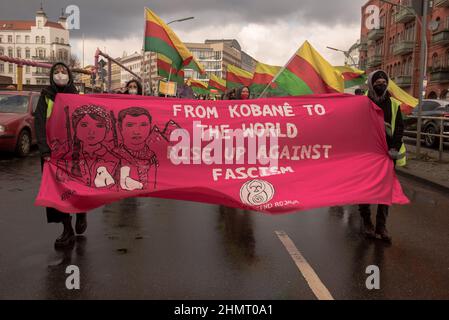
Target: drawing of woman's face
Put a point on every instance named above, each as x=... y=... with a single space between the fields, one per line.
x=90 y=131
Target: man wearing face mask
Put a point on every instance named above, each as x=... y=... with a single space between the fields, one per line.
x=394 y=126
x=61 y=81
x=133 y=87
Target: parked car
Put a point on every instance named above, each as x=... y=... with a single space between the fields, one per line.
x=430 y=108
x=17 y=122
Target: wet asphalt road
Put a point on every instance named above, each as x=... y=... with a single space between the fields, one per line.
x=165 y=249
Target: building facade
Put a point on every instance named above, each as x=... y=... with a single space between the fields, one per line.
x=39 y=40
x=395 y=45
x=215 y=55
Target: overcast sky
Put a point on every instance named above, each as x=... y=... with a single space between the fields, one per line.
x=269 y=30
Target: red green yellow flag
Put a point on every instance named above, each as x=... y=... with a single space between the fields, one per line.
x=217 y=83
x=309 y=73
x=237 y=77
x=263 y=78
x=199 y=87
x=352 y=76
x=165 y=69
x=160 y=38
x=408 y=102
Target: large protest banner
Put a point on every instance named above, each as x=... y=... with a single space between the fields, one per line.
x=272 y=155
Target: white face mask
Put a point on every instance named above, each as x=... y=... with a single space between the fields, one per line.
x=132 y=91
x=61 y=79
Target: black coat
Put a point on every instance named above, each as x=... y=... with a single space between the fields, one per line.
x=40 y=115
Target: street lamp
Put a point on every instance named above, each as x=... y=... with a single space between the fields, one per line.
x=180 y=20
x=423 y=63
x=347 y=55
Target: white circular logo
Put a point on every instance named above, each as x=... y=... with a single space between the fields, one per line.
x=256 y=192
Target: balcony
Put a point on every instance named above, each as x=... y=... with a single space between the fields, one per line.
x=376 y=34
x=404 y=16
x=439 y=75
x=441 y=37
x=363 y=44
x=41 y=74
x=403 y=47
x=403 y=81
x=374 y=61
x=441 y=3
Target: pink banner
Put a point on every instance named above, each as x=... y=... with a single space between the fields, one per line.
x=272 y=155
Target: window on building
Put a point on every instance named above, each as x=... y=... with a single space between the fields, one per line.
x=9 y=39
x=2 y=51
x=39 y=24
x=10 y=52
x=435 y=61
x=27 y=69
x=2 y=68
x=57 y=40
x=27 y=39
x=27 y=53
x=62 y=40
x=42 y=39
x=19 y=53
x=28 y=81
x=18 y=39
x=1 y=39
x=10 y=68
x=38 y=39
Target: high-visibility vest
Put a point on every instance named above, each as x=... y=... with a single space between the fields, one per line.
x=395 y=105
x=50 y=104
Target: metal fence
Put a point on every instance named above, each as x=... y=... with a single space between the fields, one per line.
x=442 y=136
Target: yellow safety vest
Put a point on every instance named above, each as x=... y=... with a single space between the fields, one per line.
x=395 y=105
x=50 y=104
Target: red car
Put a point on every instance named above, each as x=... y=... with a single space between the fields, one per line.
x=17 y=122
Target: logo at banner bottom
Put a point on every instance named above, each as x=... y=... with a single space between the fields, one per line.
x=256 y=192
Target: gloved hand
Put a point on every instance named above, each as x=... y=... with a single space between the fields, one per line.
x=394 y=154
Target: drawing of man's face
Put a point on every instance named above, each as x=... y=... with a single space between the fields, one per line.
x=135 y=130
x=90 y=131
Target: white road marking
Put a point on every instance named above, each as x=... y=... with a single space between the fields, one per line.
x=314 y=282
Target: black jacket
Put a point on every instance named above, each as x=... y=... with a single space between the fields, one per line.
x=40 y=115
x=395 y=141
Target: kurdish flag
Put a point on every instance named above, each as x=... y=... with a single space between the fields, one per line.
x=217 y=83
x=161 y=39
x=199 y=87
x=352 y=76
x=309 y=73
x=237 y=77
x=408 y=102
x=165 y=69
x=263 y=77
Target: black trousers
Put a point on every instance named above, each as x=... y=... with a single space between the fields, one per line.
x=54 y=215
x=382 y=213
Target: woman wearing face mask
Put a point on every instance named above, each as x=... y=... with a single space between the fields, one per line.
x=133 y=87
x=244 y=93
x=61 y=81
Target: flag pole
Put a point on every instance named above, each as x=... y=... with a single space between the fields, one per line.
x=277 y=75
x=142 y=74
x=169 y=76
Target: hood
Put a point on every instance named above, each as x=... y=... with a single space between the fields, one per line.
x=371 y=93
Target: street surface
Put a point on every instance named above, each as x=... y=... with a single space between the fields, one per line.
x=165 y=249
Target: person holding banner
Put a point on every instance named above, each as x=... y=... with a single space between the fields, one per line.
x=133 y=87
x=61 y=81
x=243 y=93
x=378 y=93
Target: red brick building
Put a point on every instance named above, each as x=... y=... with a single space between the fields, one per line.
x=395 y=46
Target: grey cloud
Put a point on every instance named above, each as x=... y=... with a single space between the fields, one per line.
x=121 y=18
